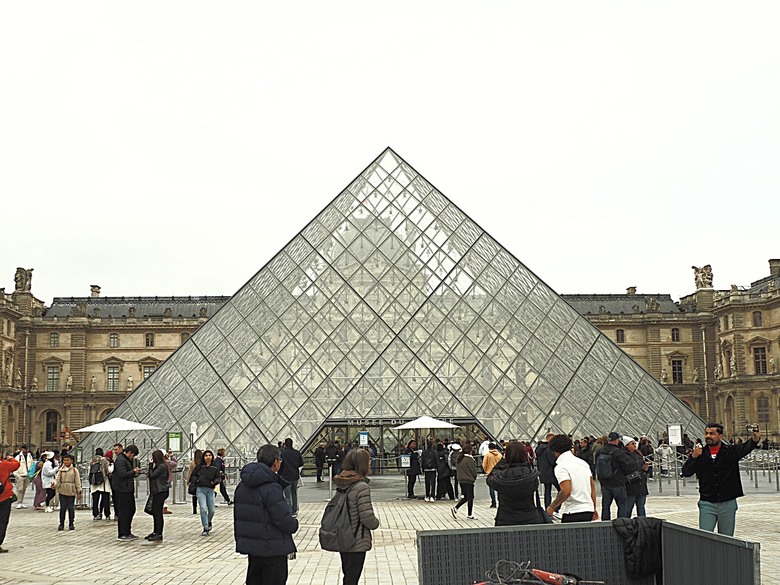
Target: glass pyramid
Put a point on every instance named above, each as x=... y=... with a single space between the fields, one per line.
x=391 y=304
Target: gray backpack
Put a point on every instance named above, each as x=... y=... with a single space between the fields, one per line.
x=336 y=525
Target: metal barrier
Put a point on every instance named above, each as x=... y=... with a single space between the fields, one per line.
x=592 y=550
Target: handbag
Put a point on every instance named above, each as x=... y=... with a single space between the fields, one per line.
x=542 y=512
x=634 y=477
x=192 y=489
x=148 y=505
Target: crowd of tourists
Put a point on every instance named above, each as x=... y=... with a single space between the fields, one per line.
x=266 y=504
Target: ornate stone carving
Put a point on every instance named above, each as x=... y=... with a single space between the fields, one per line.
x=34 y=385
x=131 y=312
x=695 y=375
x=130 y=383
x=703 y=276
x=733 y=366
x=93 y=384
x=719 y=371
x=652 y=304
x=69 y=383
x=664 y=375
x=167 y=313
x=772 y=366
x=202 y=312
x=23 y=279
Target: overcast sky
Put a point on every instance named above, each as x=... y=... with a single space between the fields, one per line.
x=171 y=148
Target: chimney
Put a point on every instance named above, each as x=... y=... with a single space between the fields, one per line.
x=631 y=290
x=95 y=290
x=774 y=267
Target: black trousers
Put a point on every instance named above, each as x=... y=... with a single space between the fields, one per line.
x=430 y=484
x=158 y=500
x=5 y=515
x=352 y=567
x=67 y=504
x=223 y=492
x=50 y=493
x=410 y=486
x=444 y=488
x=467 y=489
x=267 y=570
x=125 y=509
x=101 y=504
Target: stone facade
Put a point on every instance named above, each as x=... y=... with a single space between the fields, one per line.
x=68 y=365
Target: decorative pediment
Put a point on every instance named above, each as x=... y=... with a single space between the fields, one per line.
x=113 y=362
x=52 y=361
x=676 y=355
x=758 y=341
x=149 y=361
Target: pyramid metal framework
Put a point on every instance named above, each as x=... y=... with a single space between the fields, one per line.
x=390 y=304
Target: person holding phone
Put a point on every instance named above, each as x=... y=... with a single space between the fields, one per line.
x=716 y=466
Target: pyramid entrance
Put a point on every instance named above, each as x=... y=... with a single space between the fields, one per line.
x=392 y=304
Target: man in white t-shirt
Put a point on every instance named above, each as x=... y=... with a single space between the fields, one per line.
x=577 y=496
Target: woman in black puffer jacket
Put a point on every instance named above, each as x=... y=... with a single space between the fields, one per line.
x=516 y=483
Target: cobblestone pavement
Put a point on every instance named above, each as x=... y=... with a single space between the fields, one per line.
x=39 y=554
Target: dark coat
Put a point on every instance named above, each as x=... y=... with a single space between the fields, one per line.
x=262 y=521
x=414 y=466
x=206 y=475
x=123 y=478
x=442 y=464
x=621 y=463
x=319 y=456
x=719 y=479
x=545 y=463
x=638 y=488
x=516 y=485
x=641 y=545
x=587 y=456
x=292 y=461
x=158 y=479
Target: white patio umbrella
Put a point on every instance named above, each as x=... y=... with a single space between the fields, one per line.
x=425 y=422
x=114 y=425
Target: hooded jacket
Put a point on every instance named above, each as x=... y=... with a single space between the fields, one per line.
x=262 y=521
x=490 y=460
x=545 y=462
x=360 y=508
x=516 y=485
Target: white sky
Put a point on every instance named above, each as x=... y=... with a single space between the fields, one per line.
x=172 y=148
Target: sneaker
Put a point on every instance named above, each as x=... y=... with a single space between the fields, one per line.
x=25 y=505
x=49 y=509
x=19 y=506
x=148 y=536
x=125 y=538
x=60 y=527
x=472 y=517
x=108 y=518
x=204 y=533
x=492 y=505
x=132 y=537
x=96 y=518
x=155 y=538
x=71 y=527
x=454 y=511
x=209 y=528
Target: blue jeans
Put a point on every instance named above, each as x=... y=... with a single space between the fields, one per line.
x=724 y=514
x=618 y=494
x=206 y=505
x=639 y=501
x=291 y=495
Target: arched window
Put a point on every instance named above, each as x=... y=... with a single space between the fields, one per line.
x=762 y=409
x=758 y=319
x=675 y=334
x=54 y=340
x=52 y=426
x=113 y=340
x=620 y=335
x=149 y=340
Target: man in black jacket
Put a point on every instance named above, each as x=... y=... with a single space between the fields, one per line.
x=262 y=521
x=292 y=462
x=545 y=463
x=614 y=486
x=719 y=481
x=123 y=485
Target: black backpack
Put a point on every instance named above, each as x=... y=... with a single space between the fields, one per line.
x=428 y=461
x=604 y=468
x=336 y=533
x=95 y=474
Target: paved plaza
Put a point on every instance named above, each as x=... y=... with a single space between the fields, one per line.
x=40 y=554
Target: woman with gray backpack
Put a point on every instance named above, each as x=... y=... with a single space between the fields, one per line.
x=100 y=486
x=353 y=482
